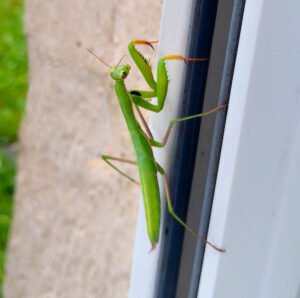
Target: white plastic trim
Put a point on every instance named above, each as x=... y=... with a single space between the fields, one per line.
x=176 y=17
x=256 y=211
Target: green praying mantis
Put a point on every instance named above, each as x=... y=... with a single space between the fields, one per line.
x=143 y=141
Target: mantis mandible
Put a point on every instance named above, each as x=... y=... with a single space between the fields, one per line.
x=144 y=141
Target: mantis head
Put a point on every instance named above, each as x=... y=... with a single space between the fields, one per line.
x=119 y=72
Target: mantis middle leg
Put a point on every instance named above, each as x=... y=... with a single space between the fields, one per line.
x=133 y=162
x=155 y=143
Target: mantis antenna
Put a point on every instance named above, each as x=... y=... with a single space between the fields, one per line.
x=121 y=60
x=99 y=58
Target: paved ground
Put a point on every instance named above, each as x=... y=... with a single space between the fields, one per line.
x=74 y=224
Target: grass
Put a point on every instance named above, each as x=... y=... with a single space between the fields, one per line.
x=13 y=88
x=7 y=177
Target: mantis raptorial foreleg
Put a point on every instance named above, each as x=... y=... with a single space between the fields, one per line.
x=160 y=88
x=133 y=162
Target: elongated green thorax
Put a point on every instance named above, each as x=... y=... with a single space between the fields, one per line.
x=146 y=164
x=126 y=105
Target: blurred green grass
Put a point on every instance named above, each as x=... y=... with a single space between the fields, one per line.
x=13 y=88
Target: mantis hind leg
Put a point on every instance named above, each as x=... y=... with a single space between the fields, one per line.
x=171 y=211
x=107 y=157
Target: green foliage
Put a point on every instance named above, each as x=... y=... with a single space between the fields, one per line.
x=13 y=88
x=7 y=177
x=13 y=69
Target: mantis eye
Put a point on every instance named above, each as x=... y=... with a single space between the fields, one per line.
x=123 y=74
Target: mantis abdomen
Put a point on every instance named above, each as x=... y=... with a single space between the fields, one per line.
x=146 y=165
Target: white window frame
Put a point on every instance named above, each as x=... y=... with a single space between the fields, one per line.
x=257 y=198
x=255 y=213
x=173 y=37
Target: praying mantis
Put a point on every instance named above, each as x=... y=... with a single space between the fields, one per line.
x=143 y=141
